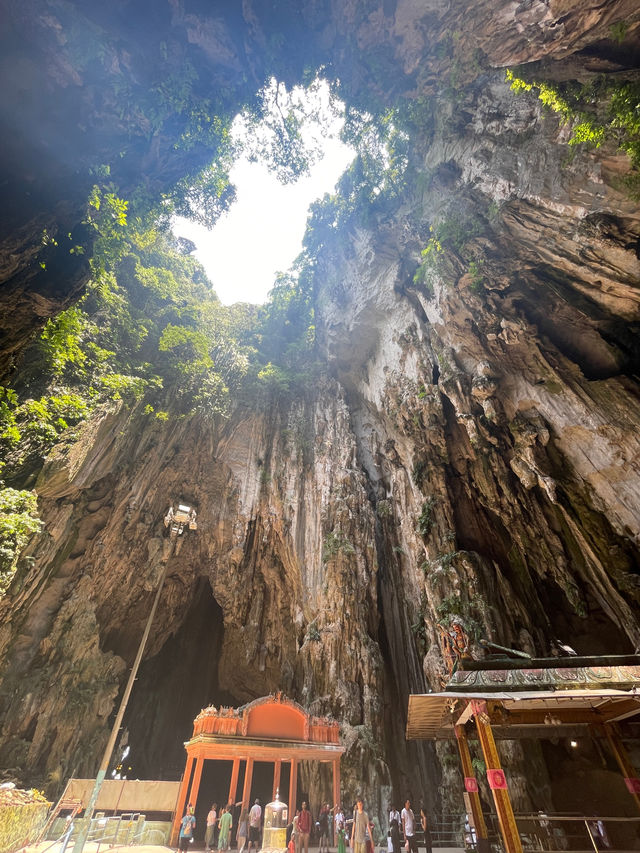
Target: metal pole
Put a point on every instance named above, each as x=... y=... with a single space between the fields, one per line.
x=67 y=836
x=590 y=834
x=106 y=758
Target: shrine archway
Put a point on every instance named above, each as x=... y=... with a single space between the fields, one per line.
x=272 y=729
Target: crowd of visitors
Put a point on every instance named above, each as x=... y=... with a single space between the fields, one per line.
x=358 y=832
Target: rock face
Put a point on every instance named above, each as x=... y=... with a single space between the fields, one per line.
x=473 y=453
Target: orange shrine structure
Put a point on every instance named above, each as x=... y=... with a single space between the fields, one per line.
x=272 y=729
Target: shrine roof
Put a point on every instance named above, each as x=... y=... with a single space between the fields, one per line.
x=621 y=673
x=269 y=720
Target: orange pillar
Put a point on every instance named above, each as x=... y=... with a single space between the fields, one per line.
x=246 y=791
x=496 y=778
x=629 y=773
x=336 y=794
x=276 y=777
x=293 y=787
x=471 y=783
x=197 y=776
x=233 y=787
x=182 y=800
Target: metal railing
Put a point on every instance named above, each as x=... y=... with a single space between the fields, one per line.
x=116 y=830
x=541 y=832
x=574 y=832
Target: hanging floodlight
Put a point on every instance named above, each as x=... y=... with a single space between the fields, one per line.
x=180 y=516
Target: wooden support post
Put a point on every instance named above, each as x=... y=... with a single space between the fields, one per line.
x=496 y=778
x=471 y=784
x=293 y=787
x=336 y=794
x=276 y=777
x=246 y=791
x=182 y=801
x=629 y=773
x=233 y=787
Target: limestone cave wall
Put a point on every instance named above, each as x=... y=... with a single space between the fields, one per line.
x=472 y=451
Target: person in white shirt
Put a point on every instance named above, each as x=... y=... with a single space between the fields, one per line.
x=254 y=826
x=210 y=834
x=338 y=819
x=394 y=814
x=408 y=827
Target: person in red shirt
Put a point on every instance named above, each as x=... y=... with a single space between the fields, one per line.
x=304 y=829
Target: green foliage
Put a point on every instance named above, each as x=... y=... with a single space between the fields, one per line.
x=451 y=233
x=37 y=423
x=148 y=328
x=605 y=108
x=283 y=335
x=425 y=519
x=18 y=522
x=618 y=31
x=419 y=628
x=279 y=130
x=61 y=340
x=335 y=543
x=377 y=180
x=420 y=467
x=313 y=633
x=479 y=766
x=276 y=379
x=202 y=197
x=107 y=217
x=384 y=508
x=161 y=282
x=9 y=432
x=423 y=276
x=471 y=613
x=477 y=279
x=455 y=231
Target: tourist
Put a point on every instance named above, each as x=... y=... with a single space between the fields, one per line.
x=295 y=832
x=371 y=838
x=323 y=829
x=255 y=816
x=341 y=835
x=360 y=825
x=187 y=828
x=210 y=834
x=243 y=830
x=225 y=823
x=394 y=814
x=394 y=835
x=424 y=821
x=408 y=827
x=338 y=818
x=304 y=829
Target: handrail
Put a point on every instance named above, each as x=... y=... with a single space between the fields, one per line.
x=592 y=830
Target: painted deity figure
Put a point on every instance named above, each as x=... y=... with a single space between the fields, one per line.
x=454 y=644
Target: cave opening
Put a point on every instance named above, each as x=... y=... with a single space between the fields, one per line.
x=601 y=784
x=172 y=687
x=582 y=622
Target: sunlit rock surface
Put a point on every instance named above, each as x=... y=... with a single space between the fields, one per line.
x=472 y=452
